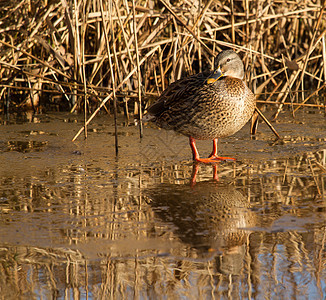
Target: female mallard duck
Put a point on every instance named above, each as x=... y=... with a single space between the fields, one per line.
x=208 y=105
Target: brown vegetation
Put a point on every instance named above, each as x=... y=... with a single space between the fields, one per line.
x=60 y=53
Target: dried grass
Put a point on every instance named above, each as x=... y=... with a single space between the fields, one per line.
x=92 y=53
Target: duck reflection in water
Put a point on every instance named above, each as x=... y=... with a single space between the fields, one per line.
x=212 y=217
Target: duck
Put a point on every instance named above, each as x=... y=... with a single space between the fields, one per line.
x=206 y=106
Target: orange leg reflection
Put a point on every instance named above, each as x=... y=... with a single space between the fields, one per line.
x=195 y=169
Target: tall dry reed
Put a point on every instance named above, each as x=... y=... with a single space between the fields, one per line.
x=89 y=55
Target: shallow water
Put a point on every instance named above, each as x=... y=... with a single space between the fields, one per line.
x=78 y=222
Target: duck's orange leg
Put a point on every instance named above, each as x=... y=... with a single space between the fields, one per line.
x=213 y=158
x=214 y=153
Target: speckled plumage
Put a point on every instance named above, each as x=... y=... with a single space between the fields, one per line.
x=203 y=110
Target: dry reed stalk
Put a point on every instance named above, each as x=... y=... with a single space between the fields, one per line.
x=125 y=39
x=267 y=122
x=324 y=56
x=138 y=72
x=112 y=77
x=82 y=66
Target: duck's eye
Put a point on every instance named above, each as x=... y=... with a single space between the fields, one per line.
x=228 y=60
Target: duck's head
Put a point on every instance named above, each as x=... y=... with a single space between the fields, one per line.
x=228 y=64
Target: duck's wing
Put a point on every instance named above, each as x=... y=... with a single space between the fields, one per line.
x=178 y=93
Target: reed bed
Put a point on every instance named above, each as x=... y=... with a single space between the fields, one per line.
x=119 y=55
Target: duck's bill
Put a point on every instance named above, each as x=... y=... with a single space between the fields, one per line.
x=215 y=76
